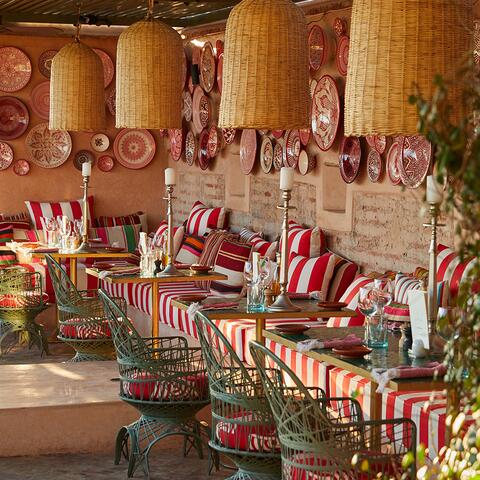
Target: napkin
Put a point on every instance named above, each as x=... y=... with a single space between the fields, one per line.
x=350 y=340
x=315 y=295
x=118 y=272
x=383 y=376
x=198 y=307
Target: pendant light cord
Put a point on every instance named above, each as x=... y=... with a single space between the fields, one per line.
x=78 y=25
x=149 y=15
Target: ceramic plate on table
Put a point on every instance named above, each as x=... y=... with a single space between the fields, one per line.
x=175 y=136
x=317 y=47
x=292 y=148
x=213 y=142
x=306 y=163
x=220 y=72
x=342 y=54
x=40 y=97
x=266 y=155
x=292 y=328
x=48 y=148
x=134 y=148
x=21 y=167
x=105 y=163
x=278 y=154
x=45 y=62
x=325 y=112
x=190 y=148
x=108 y=67
x=248 y=150
x=394 y=157
x=99 y=142
x=415 y=160
x=229 y=135
x=332 y=305
x=187 y=106
x=207 y=67
x=6 y=155
x=357 y=351
x=277 y=134
x=182 y=266
x=83 y=156
x=305 y=134
x=111 y=101
x=14 y=118
x=374 y=166
x=15 y=69
x=201 y=109
x=191 y=298
x=349 y=158
x=200 y=268
x=203 y=158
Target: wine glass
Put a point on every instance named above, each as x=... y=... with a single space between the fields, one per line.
x=383 y=294
x=248 y=272
x=265 y=271
x=366 y=303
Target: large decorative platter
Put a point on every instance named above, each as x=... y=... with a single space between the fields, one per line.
x=108 y=67
x=278 y=154
x=134 y=148
x=292 y=148
x=415 y=160
x=306 y=163
x=187 y=106
x=112 y=101
x=213 y=142
x=349 y=158
x=266 y=155
x=41 y=100
x=201 y=109
x=15 y=69
x=203 y=158
x=6 y=155
x=374 y=166
x=248 y=150
x=191 y=148
x=21 y=167
x=220 y=72
x=176 y=143
x=45 y=62
x=48 y=148
x=317 y=47
x=207 y=67
x=394 y=157
x=105 y=163
x=229 y=135
x=83 y=156
x=325 y=112
x=14 y=118
x=342 y=54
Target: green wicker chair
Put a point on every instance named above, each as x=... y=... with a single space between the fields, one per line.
x=327 y=438
x=162 y=378
x=82 y=323
x=21 y=300
x=243 y=428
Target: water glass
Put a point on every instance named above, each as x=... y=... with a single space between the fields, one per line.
x=255 y=297
x=147 y=265
x=376 y=331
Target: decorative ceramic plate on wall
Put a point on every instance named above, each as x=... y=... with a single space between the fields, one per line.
x=48 y=148
x=292 y=148
x=83 y=156
x=415 y=160
x=229 y=135
x=380 y=142
x=175 y=136
x=343 y=47
x=105 y=163
x=394 y=157
x=313 y=86
x=207 y=67
x=339 y=26
x=306 y=163
x=112 y=101
x=219 y=47
x=266 y=154
x=248 y=150
x=187 y=105
x=21 y=167
x=374 y=166
x=277 y=134
x=278 y=154
x=201 y=109
x=99 y=142
x=190 y=148
x=14 y=118
x=41 y=100
x=220 y=72
x=349 y=158
x=317 y=47
x=108 y=67
x=325 y=112
x=213 y=142
x=6 y=155
x=203 y=158
x=305 y=134
x=134 y=148
x=15 y=69
x=45 y=62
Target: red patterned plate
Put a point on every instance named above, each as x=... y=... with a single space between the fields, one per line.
x=248 y=150
x=349 y=158
x=48 y=148
x=190 y=148
x=393 y=158
x=374 y=166
x=229 y=135
x=370 y=140
x=203 y=158
x=201 y=109
x=220 y=72
x=292 y=148
x=45 y=62
x=380 y=142
x=6 y=155
x=134 y=148
x=325 y=112
x=99 y=142
x=105 y=163
x=219 y=48
x=339 y=26
x=176 y=143
x=207 y=67
x=278 y=154
x=266 y=155
x=306 y=163
x=342 y=54
x=21 y=167
x=41 y=100
x=108 y=67
x=317 y=47
x=15 y=69
x=305 y=134
x=14 y=118
x=213 y=142
x=187 y=105
x=313 y=86
x=83 y=156
x=277 y=134
x=415 y=161
x=111 y=101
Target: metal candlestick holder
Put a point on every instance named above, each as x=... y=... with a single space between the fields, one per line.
x=84 y=246
x=282 y=302
x=170 y=270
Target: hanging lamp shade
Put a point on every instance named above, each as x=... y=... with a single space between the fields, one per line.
x=397 y=47
x=265 y=67
x=77 y=97
x=149 y=76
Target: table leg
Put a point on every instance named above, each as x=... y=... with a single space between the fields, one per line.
x=73 y=270
x=259 y=328
x=155 y=310
x=375 y=413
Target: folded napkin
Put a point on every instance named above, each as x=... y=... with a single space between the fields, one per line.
x=118 y=272
x=350 y=340
x=315 y=295
x=383 y=376
x=198 y=307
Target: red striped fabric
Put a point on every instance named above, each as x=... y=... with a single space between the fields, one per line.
x=343 y=275
x=191 y=249
x=15 y=224
x=132 y=219
x=263 y=247
x=6 y=234
x=309 y=242
x=202 y=219
x=14 y=217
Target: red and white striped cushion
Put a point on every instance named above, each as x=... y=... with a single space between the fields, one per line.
x=397 y=312
x=246 y=234
x=343 y=275
x=124 y=236
x=191 y=249
x=405 y=283
x=307 y=275
x=263 y=247
x=309 y=242
x=76 y=328
x=202 y=219
x=71 y=209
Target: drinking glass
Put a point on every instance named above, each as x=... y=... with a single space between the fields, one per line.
x=248 y=272
x=375 y=328
x=383 y=294
x=265 y=271
x=255 y=297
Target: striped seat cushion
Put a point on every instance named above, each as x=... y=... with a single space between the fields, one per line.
x=203 y=219
x=76 y=328
x=308 y=242
x=124 y=236
x=405 y=283
x=7 y=258
x=6 y=234
x=191 y=249
x=397 y=312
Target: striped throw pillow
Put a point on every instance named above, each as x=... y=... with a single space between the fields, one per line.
x=124 y=236
x=404 y=283
x=246 y=234
x=71 y=209
x=191 y=249
x=307 y=275
x=178 y=233
x=230 y=261
x=203 y=219
x=14 y=217
x=264 y=247
x=6 y=234
x=132 y=219
x=7 y=258
x=343 y=275
x=308 y=242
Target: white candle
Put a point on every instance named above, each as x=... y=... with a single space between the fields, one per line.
x=86 y=169
x=434 y=190
x=286 y=178
x=169 y=176
x=255 y=262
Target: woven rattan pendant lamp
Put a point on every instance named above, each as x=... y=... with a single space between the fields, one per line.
x=77 y=98
x=396 y=45
x=149 y=75
x=265 y=69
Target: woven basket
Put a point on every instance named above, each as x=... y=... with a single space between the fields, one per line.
x=149 y=77
x=396 y=45
x=265 y=69
x=77 y=98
